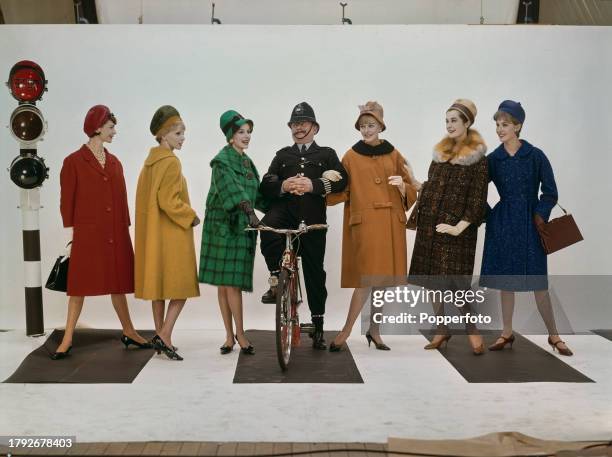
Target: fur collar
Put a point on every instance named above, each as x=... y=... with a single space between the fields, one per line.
x=465 y=153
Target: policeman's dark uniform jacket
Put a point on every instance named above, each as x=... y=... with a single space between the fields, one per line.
x=287 y=210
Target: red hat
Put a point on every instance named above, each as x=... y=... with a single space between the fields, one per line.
x=95 y=118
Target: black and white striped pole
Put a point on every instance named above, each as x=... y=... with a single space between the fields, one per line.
x=28 y=170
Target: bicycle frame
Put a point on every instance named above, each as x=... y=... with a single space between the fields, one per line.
x=289 y=292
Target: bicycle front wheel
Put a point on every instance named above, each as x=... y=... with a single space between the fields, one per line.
x=284 y=322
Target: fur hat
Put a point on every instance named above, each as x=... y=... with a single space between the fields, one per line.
x=465 y=107
x=373 y=109
x=95 y=118
x=163 y=117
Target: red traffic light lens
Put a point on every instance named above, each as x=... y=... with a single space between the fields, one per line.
x=27 y=124
x=27 y=81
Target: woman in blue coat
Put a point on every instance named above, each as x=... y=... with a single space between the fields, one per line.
x=513 y=257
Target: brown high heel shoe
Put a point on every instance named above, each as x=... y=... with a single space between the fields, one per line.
x=433 y=345
x=499 y=346
x=477 y=350
x=562 y=351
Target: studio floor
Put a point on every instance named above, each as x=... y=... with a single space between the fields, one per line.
x=406 y=392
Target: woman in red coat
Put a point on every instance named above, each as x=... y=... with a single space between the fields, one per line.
x=96 y=219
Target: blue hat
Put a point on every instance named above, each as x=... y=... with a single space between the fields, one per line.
x=514 y=109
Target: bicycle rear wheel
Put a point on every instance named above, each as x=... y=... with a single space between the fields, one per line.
x=284 y=322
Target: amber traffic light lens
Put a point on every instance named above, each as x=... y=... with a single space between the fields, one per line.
x=27 y=124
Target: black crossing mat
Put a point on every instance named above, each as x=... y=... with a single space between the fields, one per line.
x=307 y=365
x=607 y=334
x=97 y=356
x=525 y=362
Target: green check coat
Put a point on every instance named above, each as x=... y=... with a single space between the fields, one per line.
x=228 y=252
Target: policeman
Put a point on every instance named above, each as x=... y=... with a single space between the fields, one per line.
x=297 y=182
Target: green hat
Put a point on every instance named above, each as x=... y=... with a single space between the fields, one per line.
x=164 y=116
x=231 y=121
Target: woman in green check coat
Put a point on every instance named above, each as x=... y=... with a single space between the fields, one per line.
x=228 y=251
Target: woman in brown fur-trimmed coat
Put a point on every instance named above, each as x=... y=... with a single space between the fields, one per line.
x=452 y=205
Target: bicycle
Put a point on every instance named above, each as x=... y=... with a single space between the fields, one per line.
x=289 y=292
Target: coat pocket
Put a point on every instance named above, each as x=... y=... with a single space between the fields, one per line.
x=355 y=219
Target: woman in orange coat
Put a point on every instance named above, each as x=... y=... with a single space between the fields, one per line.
x=381 y=188
x=96 y=219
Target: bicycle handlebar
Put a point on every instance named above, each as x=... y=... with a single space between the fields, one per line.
x=301 y=229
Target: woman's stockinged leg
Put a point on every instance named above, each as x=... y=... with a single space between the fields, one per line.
x=159 y=309
x=121 y=308
x=358 y=299
x=75 y=305
x=507 y=308
x=174 y=310
x=226 y=314
x=542 y=298
x=544 y=303
x=234 y=298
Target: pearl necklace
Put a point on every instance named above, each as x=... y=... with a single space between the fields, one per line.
x=100 y=156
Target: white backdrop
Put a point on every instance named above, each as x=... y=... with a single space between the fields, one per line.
x=560 y=74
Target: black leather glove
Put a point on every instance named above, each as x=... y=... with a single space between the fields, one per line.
x=246 y=207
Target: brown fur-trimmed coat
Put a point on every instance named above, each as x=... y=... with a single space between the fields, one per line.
x=456 y=189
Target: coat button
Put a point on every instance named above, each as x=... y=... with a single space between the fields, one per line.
x=111 y=241
x=377 y=180
x=250 y=175
x=105 y=179
x=108 y=208
x=302 y=166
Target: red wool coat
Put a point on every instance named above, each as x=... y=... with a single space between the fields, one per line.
x=94 y=202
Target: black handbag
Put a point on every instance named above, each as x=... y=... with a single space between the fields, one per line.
x=58 y=278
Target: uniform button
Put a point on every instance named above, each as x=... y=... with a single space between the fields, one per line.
x=301 y=166
x=250 y=175
x=111 y=241
x=108 y=208
x=377 y=180
x=302 y=158
x=105 y=178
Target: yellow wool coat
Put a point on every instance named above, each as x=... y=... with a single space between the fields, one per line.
x=374 y=226
x=165 y=260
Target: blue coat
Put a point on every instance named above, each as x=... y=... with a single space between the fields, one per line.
x=513 y=257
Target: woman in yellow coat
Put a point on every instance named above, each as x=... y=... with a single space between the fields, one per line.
x=165 y=261
x=381 y=188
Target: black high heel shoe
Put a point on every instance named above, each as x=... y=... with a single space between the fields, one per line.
x=127 y=341
x=60 y=355
x=226 y=349
x=379 y=346
x=160 y=347
x=249 y=350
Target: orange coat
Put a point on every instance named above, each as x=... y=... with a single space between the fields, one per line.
x=374 y=231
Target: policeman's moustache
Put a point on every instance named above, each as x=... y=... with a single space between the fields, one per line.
x=306 y=134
